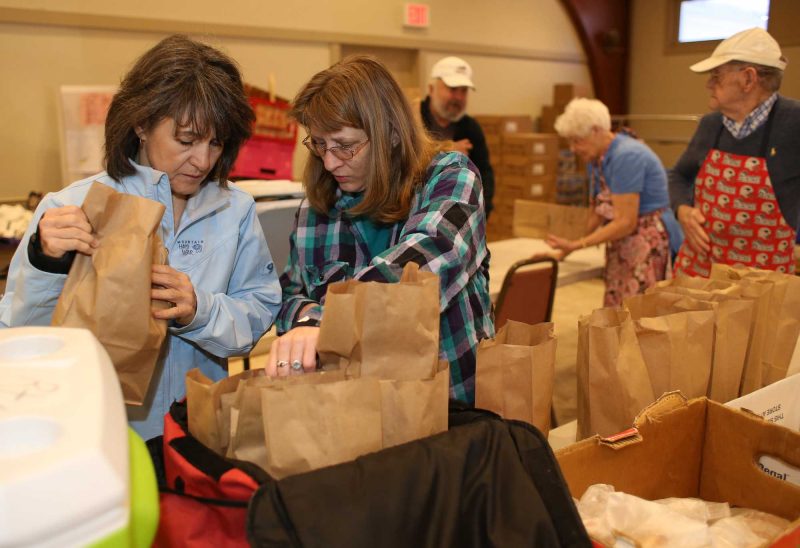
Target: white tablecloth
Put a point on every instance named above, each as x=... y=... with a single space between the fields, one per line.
x=580 y=265
x=277 y=188
x=277 y=221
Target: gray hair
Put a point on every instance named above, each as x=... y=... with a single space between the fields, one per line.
x=770 y=78
x=581 y=116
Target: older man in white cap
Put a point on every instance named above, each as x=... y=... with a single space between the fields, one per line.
x=444 y=114
x=736 y=188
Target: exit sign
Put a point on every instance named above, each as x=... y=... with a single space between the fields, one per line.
x=417 y=15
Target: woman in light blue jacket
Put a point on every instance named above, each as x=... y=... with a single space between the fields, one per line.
x=173 y=131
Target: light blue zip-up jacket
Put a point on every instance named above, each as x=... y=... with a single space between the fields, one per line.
x=219 y=244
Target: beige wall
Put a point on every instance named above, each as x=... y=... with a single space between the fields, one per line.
x=661 y=82
x=518 y=48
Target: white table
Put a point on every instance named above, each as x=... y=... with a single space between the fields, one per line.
x=583 y=264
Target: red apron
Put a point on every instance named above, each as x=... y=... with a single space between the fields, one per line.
x=743 y=220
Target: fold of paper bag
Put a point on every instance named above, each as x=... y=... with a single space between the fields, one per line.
x=247 y=441
x=780 y=341
x=715 y=286
x=414 y=409
x=108 y=292
x=308 y=426
x=613 y=379
x=734 y=327
x=676 y=337
x=204 y=407
x=760 y=290
x=383 y=330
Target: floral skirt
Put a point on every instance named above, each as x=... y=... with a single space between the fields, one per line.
x=637 y=261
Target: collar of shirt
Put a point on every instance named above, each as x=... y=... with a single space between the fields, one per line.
x=753 y=121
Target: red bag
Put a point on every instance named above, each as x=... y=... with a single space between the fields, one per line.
x=203 y=496
x=268 y=153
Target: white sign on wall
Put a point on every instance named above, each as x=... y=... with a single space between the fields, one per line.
x=82 y=115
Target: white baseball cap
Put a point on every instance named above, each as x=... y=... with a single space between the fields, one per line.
x=751 y=46
x=454 y=72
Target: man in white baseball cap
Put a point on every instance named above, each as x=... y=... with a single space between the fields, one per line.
x=739 y=179
x=444 y=114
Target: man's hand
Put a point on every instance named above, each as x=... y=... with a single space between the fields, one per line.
x=463 y=146
x=692 y=221
x=65 y=229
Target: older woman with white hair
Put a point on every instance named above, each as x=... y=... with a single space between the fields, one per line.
x=630 y=201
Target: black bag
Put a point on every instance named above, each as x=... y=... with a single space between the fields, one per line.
x=485 y=482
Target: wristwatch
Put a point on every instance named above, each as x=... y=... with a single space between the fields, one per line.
x=307 y=321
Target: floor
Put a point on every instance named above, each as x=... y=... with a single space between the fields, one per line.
x=571 y=302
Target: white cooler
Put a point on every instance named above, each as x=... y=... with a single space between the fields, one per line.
x=65 y=469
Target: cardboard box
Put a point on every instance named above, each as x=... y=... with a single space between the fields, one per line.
x=495 y=146
x=524 y=166
x=541 y=187
x=530 y=144
x=547 y=119
x=564 y=93
x=493 y=141
x=696 y=448
x=497 y=228
x=538 y=219
x=498 y=124
x=503 y=208
x=778 y=403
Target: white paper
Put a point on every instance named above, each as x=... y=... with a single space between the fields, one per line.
x=779 y=403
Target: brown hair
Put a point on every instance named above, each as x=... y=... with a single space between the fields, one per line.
x=185 y=80
x=359 y=92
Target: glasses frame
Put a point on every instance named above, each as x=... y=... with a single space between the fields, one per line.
x=717 y=78
x=343 y=153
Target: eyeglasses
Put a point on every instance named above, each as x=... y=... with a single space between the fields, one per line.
x=342 y=152
x=718 y=74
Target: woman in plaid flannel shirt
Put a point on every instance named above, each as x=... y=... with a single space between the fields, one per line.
x=380 y=196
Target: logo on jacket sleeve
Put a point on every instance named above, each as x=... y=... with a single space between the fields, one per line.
x=191 y=247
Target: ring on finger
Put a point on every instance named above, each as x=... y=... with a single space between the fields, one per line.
x=297 y=365
x=282 y=363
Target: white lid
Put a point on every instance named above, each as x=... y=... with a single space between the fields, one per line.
x=64 y=470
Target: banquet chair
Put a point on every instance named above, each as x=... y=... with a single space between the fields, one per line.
x=528 y=291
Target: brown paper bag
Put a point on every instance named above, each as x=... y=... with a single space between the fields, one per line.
x=385 y=387
x=613 y=380
x=247 y=440
x=676 y=337
x=515 y=373
x=732 y=333
x=385 y=337
x=308 y=426
x=108 y=293
x=207 y=422
x=784 y=329
x=384 y=330
x=414 y=409
x=760 y=290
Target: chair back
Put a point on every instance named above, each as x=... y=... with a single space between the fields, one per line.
x=528 y=291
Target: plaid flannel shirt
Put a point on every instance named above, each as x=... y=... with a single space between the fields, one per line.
x=445 y=233
x=752 y=121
